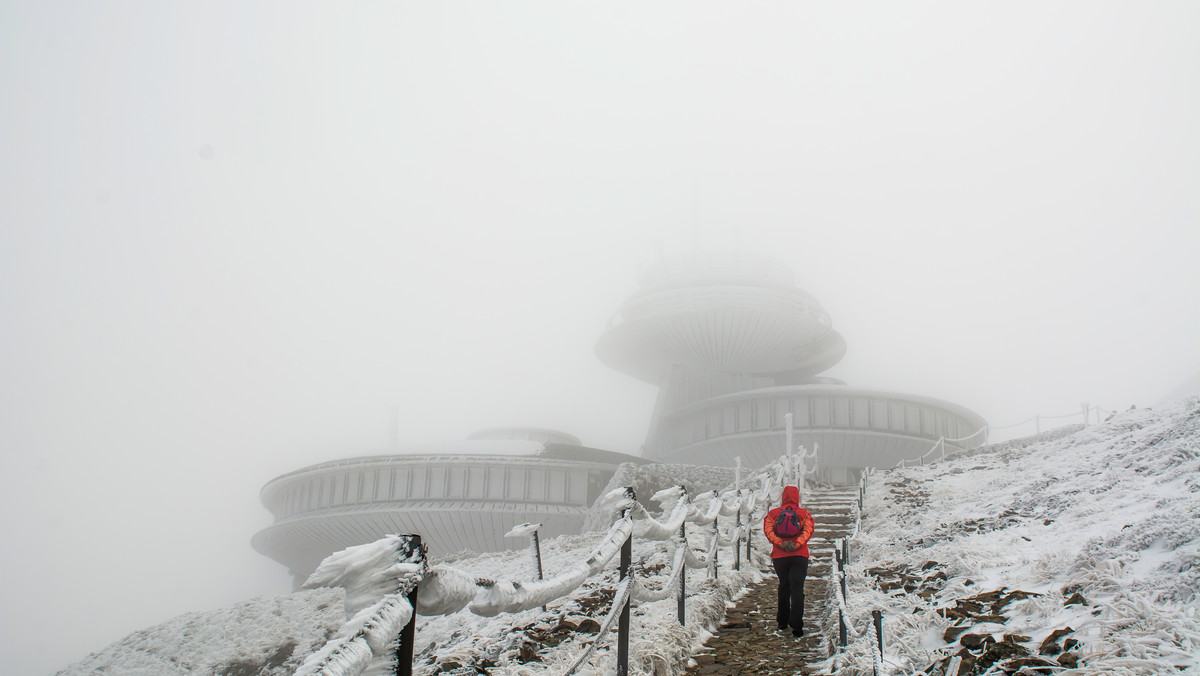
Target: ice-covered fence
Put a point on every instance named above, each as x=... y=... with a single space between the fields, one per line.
x=938 y=450
x=381 y=575
x=380 y=580
x=1084 y=415
x=846 y=623
x=383 y=571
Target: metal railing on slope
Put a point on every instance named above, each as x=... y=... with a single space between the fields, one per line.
x=932 y=454
x=371 y=632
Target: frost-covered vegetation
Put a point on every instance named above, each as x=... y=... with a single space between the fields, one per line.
x=1078 y=550
x=1090 y=540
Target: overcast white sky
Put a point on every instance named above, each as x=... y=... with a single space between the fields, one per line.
x=233 y=235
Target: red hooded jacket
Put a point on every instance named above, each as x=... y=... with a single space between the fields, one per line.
x=791 y=497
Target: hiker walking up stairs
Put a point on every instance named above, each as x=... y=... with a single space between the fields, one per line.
x=748 y=641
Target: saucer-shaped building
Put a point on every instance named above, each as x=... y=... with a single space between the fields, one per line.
x=734 y=346
x=462 y=496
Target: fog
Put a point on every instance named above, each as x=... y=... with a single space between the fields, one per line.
x=233 y=237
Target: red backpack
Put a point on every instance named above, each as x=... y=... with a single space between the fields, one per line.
x=787 y=524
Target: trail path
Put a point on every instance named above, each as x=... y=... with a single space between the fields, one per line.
x=747 y=642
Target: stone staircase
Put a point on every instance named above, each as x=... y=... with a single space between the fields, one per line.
x=747 y=642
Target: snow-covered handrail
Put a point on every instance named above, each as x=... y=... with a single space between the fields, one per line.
x=620 y=598
x=694 y=561
x=941 y=443
x=847 y=630
x=508 y=596
x=378 y=577
x=379 y=580
x=652 y=529
x=643 y=593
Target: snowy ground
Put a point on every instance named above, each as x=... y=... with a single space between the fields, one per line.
x=1110 y=513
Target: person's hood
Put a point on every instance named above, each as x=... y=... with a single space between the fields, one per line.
x=791 y=497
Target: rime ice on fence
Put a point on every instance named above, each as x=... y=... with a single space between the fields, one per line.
x=376 y=583
x=377 y=577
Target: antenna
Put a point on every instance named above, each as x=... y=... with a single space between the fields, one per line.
x=695 y=213
x=395 y=427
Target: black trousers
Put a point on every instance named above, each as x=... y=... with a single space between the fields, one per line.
x=791 y=571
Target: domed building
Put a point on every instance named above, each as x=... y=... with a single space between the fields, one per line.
x=734 y=346
x=462 y=496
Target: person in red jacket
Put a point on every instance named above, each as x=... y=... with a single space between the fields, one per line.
x=790 y=558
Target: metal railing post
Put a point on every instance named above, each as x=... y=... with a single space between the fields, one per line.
x=843 y=640
x=537 y=554
x=749 y=534
x=623 y=623
x=877 y=615
x=682 y=575
x=716 y=552
x=408 y=635
x=737 y=546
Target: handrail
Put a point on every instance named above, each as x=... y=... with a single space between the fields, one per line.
x=986 y=430
x=445 y=589
x=846 y=624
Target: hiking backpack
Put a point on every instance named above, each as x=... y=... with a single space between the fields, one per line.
x=787 y=524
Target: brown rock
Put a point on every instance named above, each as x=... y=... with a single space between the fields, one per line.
x=967 y=665
x=988 y=597
x=952 y=634
x=1075 y=599
x=976 y=641
x=1015 y=638
x=1069 y=660
x=527 y=653
x=951 y=613
x=1050 y=644
x=1001 y=651
x=969 y=606
x=1069 y=644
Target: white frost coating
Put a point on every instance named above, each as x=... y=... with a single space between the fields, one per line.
x=620 y=599
x=523 y=529
x=710 y=513
x=694 y=562
x=668 y=496
x=339 y=657
x=729 y=508
x=651 y=529
x=669 y=588
x=381 y=624
x=507 y=596
x=368 y=634
x=751 y=503
x=445 y=590
x=616 y=500
x=731 y=537
x=377 y=577
x=367 y=572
